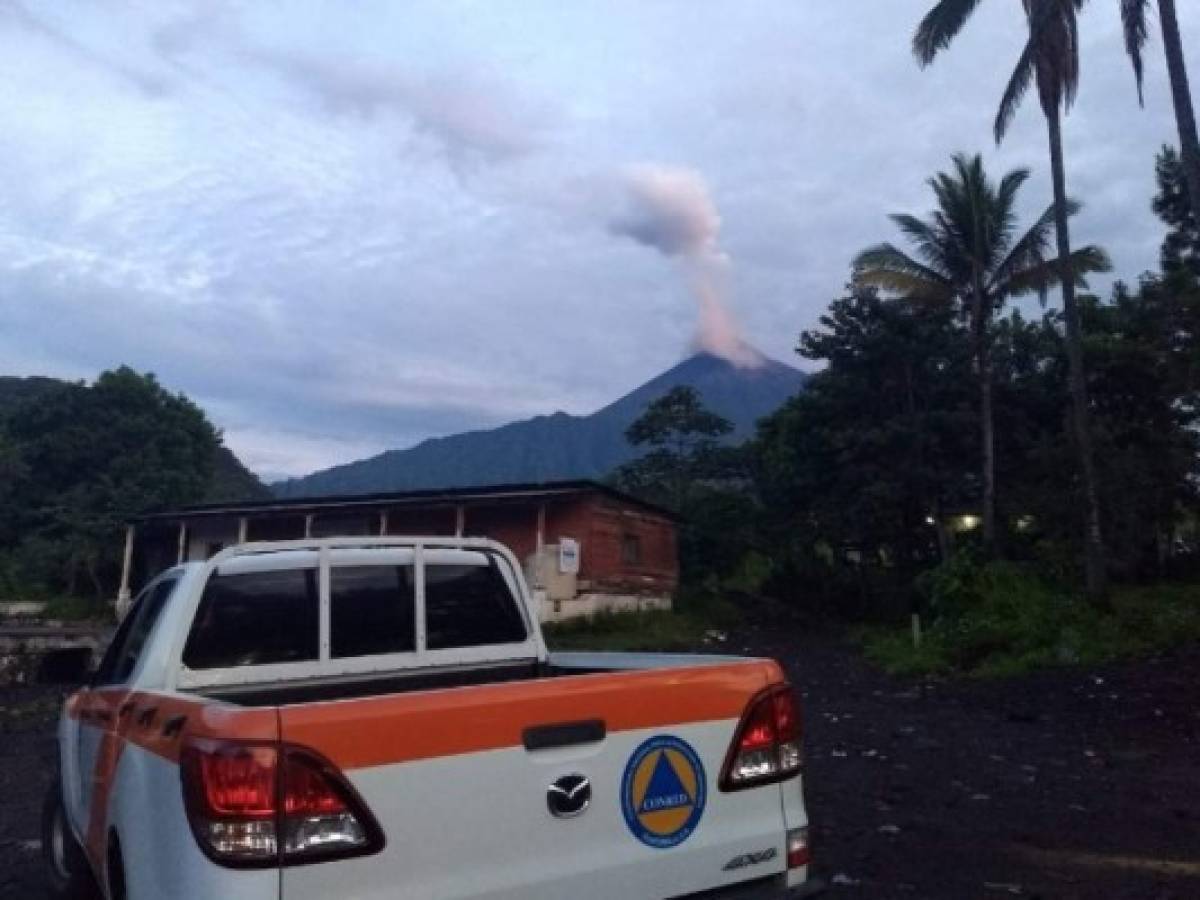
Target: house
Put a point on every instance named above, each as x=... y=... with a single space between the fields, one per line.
x=585 y=547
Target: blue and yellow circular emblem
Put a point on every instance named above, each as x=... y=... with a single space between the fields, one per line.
x=663 y=791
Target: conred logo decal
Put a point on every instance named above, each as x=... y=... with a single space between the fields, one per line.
x=663 y=791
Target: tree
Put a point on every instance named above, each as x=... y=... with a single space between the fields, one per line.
x=687 y=469
x=93 y=457
x=681 y=435
x=1181 y=247
x=1051 y=60
x=876 y=445
x=971 y=255
x=1133 y=15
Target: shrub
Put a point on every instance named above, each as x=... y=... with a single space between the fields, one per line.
x=999 y=619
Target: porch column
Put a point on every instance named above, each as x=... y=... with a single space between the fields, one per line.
x=383 y=523
x=460 y=520
x=308 y=520
x=540 y=545
x=181 y=554
x=126 y=563
x=243 y=526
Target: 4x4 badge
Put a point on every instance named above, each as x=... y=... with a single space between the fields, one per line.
x=750 y=859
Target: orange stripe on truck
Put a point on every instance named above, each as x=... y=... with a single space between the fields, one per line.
x=141 y=719
x=405 y=727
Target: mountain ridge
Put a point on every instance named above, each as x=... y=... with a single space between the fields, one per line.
x=558 y=445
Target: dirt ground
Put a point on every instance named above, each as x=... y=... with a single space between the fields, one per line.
x=1066 y=784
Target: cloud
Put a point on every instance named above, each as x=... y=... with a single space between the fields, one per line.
x=15 y=14
x=466 y=117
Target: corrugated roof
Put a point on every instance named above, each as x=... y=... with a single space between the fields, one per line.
x=489 y=493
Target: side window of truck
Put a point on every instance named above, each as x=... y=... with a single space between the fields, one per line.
x=255 y=618
x=123 y=653
x=469 y=605
x=372 y=609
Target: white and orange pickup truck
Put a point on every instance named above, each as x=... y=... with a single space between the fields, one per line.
x=380 y=718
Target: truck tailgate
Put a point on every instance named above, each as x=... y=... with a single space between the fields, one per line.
x=463 y=781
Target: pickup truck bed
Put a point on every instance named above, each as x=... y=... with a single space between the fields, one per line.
x=492 y=773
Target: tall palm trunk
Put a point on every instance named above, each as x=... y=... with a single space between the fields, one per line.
x=1096 y=579
x=1181 y=95
x=983 y=364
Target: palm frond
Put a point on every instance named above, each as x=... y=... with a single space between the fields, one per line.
x=939 y=27
x=1010 y=185
x=884 y=266
x=1002 y=213
x=1043 y=276
x=1014 y=93
x=1133 y=17
x=929 y=242
x=1028 y=252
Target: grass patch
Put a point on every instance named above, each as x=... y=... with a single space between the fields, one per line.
x=75 y=609
x=1001 y=620
x=683 y=628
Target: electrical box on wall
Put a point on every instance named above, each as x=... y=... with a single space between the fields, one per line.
x=568 y=556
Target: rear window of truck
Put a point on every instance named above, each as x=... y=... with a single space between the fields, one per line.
x=255 y=619
x=470 y=606
x=273 y=616
x=372 y=609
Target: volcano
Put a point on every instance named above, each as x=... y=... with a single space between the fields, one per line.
x=559 y=446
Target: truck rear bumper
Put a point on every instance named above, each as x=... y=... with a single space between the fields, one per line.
x=761 y=889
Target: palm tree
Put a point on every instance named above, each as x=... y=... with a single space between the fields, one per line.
x=1133 y=14
x=968 y=253
x=1051 y=59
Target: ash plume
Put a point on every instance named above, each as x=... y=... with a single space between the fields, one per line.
x=671 y=210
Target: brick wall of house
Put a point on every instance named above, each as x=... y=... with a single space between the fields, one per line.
x=610 y=564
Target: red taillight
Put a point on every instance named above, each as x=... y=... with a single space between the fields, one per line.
x=797 y=848
x=237 y=781
x=308 y=792
x=270 y=804
x=766 y=745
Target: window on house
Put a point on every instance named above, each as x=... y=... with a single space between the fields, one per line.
x=371 y=610
x=631 y=550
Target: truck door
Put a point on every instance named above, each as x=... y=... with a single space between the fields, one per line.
x=100 y=706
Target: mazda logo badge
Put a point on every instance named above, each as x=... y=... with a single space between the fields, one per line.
x=569 y=796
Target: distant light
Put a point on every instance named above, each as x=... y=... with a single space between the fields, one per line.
x=969 y=523
x=929 y=520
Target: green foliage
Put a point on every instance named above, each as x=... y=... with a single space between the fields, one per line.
x=687 y=470
x=1172 y=203
x=680 y=435
x=90 y=457
x=690 y=626
x=74 y=609
x=879 y=440
x=1003 y=619
x=232 y=482
x=849 y=473
x=969 y=248
x=679 y=421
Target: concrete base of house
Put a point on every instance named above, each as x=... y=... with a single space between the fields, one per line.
x=21 y=609
x=595 y=603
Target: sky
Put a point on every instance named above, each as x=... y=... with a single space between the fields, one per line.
x=343 y=228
